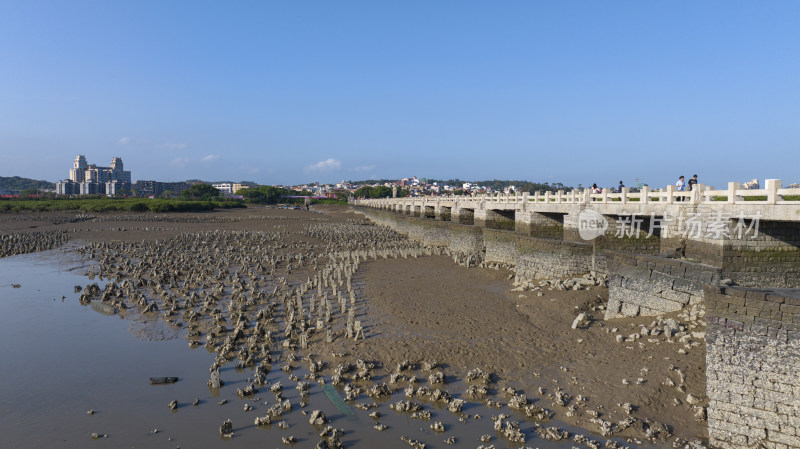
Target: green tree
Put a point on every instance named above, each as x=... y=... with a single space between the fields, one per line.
x=252 y=195
x=376 y=192
x=139 y=207
x=272 y=194
x=200 y=192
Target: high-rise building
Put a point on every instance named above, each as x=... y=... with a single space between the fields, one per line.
x=78 y=171
x=85 y=179
x=750 y=185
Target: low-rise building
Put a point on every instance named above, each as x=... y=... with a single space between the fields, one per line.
x=224 y=187
x=117 y=188
x=68 y=187
x=156 y=188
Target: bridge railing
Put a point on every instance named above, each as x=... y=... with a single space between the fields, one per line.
x=771 y=194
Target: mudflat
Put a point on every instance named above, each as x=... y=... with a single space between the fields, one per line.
x=257 y=310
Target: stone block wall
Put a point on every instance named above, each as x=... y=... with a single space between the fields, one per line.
x=437 y=233
x=499 y=219
x=547 y=259
x=414 y=229
x=461 y=239
x=707 y=252
x=500 y=246
x=753 y=367
x=621 y=237
x=443 y=213
x=650 y=285
x=618 y=237
x=542 y=225
x=400 y=223
x=771 y=258
x=463 y=216
x=382 y=218
x=466 y=240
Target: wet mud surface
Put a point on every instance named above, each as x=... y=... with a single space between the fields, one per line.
x=253 y=294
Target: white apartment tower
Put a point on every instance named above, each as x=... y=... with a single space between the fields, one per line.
x=78 y=171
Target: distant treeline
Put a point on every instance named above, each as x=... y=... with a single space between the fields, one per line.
x=114 y=205
x=16 y=183
x=378 y=192
x=274 y=195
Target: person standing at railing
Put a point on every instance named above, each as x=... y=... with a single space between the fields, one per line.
x=679 y=186
x=692 y=182
x=619 y=187
x=596 y=189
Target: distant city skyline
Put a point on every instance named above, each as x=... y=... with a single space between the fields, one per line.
x=290 y=93
x=75 y=175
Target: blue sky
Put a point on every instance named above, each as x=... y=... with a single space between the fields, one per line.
x=300 y=91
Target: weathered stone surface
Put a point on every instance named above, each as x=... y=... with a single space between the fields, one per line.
x=753 y=373
x=650 y=285
x=545 y=258
x=500 y=246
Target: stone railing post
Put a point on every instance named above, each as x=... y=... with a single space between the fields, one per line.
x=697 y=193
x=559 y=194
x=604 y=198
x=772 y=186
x=547 y=197
x=587 y=196
x=625 y=195
x=732 y=188
x=670 y=194
x=644 y=194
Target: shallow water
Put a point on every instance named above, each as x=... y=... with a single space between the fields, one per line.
x=61 y=359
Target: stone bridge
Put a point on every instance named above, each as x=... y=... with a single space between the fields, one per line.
x=662 y=251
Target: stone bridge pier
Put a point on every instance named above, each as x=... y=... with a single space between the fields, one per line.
x=464 y=216
x=547 y=225
x=503 y=219
x=444 y=213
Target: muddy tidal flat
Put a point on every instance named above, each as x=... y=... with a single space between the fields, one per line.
x=276 y=328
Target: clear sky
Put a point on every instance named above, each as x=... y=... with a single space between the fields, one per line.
x=290 y=92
